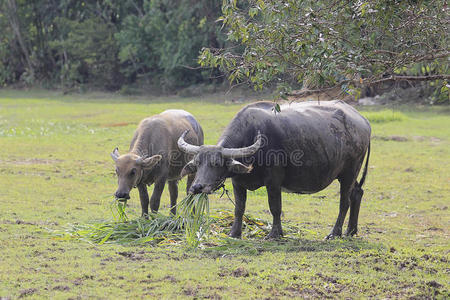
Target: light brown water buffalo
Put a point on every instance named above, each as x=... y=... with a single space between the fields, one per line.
x=154 y=157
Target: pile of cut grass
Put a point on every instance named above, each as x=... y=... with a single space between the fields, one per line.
x=192 y=225
x=156 y=228
x=118 y=208
x=193 y=214
x=193 y=220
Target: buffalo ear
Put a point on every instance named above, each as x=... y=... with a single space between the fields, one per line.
x=115 y=154
x=189 y=168
x=150 y=162
x=236 y=167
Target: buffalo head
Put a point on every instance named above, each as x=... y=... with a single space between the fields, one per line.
x=130 y=169
x=213 y=164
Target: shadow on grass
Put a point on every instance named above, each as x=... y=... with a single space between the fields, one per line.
x=290 y=244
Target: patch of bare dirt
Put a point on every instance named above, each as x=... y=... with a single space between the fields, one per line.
x=395 y=138
x=22 y=222
x=435 y=229
x=435 y=140
x=213 y=296
x=115 y=124
x=401 y=138
x=84 y=115
x=146 y=281
x=170 y=278
x=240 y=272
x=61 y=288
x=300 y=292
x=432 y=139
x=27 y=292
x=31 y=161
x=434 y=284
x=78 y=281
x=136 y=256
x=190 y=291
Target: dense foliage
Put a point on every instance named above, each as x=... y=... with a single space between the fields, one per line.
x=308 y=44
x=106 y=43
x=339 y=43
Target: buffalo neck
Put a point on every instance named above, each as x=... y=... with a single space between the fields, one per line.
x=237 y=136
x=141 y=146
x=243 y=129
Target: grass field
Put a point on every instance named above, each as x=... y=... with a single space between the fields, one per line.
x=55 y=169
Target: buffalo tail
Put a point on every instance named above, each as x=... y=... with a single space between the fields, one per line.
x=363 y=178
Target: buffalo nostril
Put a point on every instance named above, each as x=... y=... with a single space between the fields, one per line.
x=121 y=195
x=197 y=188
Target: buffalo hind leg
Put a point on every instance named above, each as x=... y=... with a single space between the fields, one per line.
x=240 y=196
x=173 y=191
x=156 y=195
x=355 y=203
x=274 y=195
x=143 y=196
x=346 y=186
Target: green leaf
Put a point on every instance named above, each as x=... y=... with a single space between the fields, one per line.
x=277 y=107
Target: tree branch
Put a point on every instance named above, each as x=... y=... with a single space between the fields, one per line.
x=409 y=78
x=368 y=82
x=308 y=92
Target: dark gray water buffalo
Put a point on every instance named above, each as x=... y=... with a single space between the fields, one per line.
x=155 y=158
x=302 y=150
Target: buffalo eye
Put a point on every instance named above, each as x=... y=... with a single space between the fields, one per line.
x=216 y=162
x=133 y=172
x=117 y=171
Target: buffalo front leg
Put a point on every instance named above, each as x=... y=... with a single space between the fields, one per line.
x=143 y=195
x=343 y=208
x=274 y=195
x=173 y=191
x=156 y=195
x=240 y=197
x=355 y=203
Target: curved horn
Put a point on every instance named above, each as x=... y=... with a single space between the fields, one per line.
x=115 y=154
x=185 y=147
x=243 y=152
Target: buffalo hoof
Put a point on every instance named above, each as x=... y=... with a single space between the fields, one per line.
x=235 y=233
x=332 y=236
x=351 y=232
x=275 y=234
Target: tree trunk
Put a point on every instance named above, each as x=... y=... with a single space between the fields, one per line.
x=15 y=26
